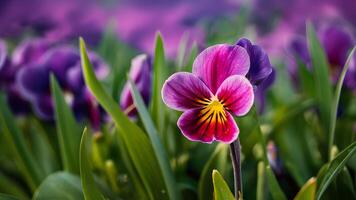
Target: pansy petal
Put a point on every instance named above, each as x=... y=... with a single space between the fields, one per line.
x=183 y=91
x=33 y=81
x=260 y=66
x=236 y=94
x=44 y=108
x=198 y=125
x=218 y=62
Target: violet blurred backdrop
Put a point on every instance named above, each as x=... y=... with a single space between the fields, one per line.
x=135 y=22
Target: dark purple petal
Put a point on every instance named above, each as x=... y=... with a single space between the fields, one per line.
x=60 y=60
x=260 y=92
x=43 y=107
x=85 y=107
x=3 y=53
x=183 y=91
x=260 y=66
x=236 y=95
x=30 y=51
x=218 y=62
x=16 y=102
x=141 y=74
x=337 y=43
x=33 y=81
x=202 y=126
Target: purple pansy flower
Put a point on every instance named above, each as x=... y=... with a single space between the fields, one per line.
x=261 y=73
x=7 y=76
x=216 y=88
x=140 y=73
x=337 y=43
x=64 y=63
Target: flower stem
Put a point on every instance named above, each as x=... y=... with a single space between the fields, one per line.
x=235 y=153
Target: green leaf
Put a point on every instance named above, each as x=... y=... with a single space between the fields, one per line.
x=157 y=109
x=158 y=148
x=23 y=158
x=260 y=189
x=42 y=148
x=90 y=190
x=274 y=187
x=221 y=189
x=334 y=168
x=7 y=197
x=307 y=192
x=321 y=73
x=60 y=185
x=11 y=186
x=336 y=100
x=68 y=131
x=138 y=146
x=217 y=161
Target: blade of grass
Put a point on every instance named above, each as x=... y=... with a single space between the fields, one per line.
x=157 y=109
x=335 y=104
x=156 y=142
x=218 y=160
x=137 y=144
x=275 y=189
x=24 y=159
x=67 y=130
x=333 y=169
x=321 y=75
x=90 y=190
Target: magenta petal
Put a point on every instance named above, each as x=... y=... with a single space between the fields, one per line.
x=218 y=62
x=198 y=126
x=236 y=94
x=183 y=91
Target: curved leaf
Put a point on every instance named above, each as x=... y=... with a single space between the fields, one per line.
x=274 y=187
x=336 y=101
x=90 y=190
x=334 y=168
x=217 y=161
x=221 y=189
x=60 y=185
x=138 y=146
x=156 y=143
x=308 y=190
x=68 y=131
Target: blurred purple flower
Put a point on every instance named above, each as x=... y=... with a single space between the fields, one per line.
x=7 y=84
x=54 y=20
x=63 y=62
x=139 y=20
x=278 y=21
x=141 y=75
x=261 y=73
x=337 y=43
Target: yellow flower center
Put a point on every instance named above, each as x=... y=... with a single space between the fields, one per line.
x=213 y=111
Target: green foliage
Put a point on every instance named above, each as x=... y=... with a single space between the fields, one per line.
x=218 y=160
x=60 y=185
x=333 y=169
x=90 y=190
x=139 y=150
x=307 y=192
x=321 y=76
x=25 y=161
x=221 y=189
x=156 y=143
x=68 y=131
x=273 y=185
x=159 y=73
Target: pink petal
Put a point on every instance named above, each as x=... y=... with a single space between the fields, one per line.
x=218 y=62
x=183 y=91
x=198 y=125
x=236 y=94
